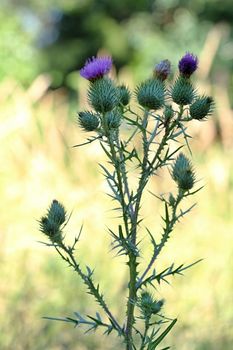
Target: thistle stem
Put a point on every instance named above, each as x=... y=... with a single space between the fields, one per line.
x=89 y=283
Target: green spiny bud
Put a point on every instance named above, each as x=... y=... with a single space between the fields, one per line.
x=148 y=305
x=182 y=92
x=150 y=94
x=182 y=173
x=50 y=224
x=124 y=94
x=88 y=121
x=103 y=95
x=50 y=229
x=113 y=119
x=201 y=107
x=57 y=213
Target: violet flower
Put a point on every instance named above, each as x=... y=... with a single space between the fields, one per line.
x=188 y=64
x=96 y=68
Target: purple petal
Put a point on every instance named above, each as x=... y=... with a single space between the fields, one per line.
x=96 y=68
x=188 y=64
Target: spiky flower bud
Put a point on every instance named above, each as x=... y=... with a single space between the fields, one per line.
x=150 y=94
x=51 y=223
x=182 y=92
x=124 y=94
x=103 y=95
x=148 y=305
x=113 y=119
x=162 y=70
x=182 y=173
x=88 y=121
x=57 y=212
x=188 y=64
x=201 y=107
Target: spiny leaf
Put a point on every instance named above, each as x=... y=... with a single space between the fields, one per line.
x=89 y=140
x=153 y=345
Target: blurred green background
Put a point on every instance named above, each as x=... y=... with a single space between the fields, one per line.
x=43 y=44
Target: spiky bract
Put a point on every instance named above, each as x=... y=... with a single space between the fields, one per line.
x=201 y=107
x=88 y=121
x=124 y=94
x=113 y=119
x=103 y=95
x=51 y=223
x=150 y=94
x=182 y=173
x=182 y=91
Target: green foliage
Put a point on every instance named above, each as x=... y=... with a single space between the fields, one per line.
x=43 y=36
x=19 y=59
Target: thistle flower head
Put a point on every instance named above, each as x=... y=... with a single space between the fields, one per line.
x=150 y=94
x=113 y=119
x=96 y=68
x=162 y=69
x=182 y=173
x=51 y=223
x=148 y=305
x=201 y=108
x=88 y=121
x=188 y=64
x=124 y=94
x=182 y=91
x=103 y=95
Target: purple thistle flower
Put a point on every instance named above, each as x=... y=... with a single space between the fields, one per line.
x=188 y=64
x=96 y=68
x=162 y=69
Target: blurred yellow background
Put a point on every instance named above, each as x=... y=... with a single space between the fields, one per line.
x=39 y=97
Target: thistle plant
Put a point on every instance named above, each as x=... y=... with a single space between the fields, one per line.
x=158 y=126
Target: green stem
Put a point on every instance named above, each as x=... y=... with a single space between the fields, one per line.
x=147 y=325
x=132 y=263
x=143 y=178
x=118 y=169
x=124 y=177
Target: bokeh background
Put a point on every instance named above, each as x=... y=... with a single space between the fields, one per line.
x=43 y=44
